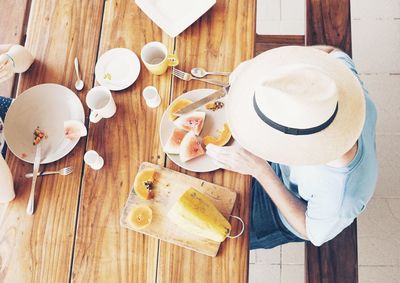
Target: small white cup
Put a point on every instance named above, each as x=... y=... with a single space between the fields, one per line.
x=101 y=102
x=151 y=96
x=156 y=58
x=22 y=59
x=93 y=159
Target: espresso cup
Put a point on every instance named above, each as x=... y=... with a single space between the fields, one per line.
x=156 y=58
x=101 y=102
x=21 y=58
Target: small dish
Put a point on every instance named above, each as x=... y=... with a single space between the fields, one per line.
x=214 y=121
x=117 y=69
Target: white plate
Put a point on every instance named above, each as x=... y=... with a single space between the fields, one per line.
x=214 y=121
x=121 y=64
x=174 y=16
x=1 y=135
x=46 y=106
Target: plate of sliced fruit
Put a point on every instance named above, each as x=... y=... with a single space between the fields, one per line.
x=184 y=138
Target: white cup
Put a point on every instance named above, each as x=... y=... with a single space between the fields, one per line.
x=101 y=102
x=93 y=159
x=20 y=56
x=151 y=96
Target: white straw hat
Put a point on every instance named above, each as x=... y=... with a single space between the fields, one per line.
x=297 y=106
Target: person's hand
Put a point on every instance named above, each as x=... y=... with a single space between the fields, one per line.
x=237 y=159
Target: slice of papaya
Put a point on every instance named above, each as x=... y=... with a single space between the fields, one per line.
x=223 y=138
x=140 y=216
x=177 y=105
x=144 y=183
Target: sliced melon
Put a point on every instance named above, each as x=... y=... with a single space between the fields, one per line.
x=223 y=138
x=195 y=213
x=190 y=148
x=144 y=183
x=193 y=121
x=177 y=105
x=74 y=129
x=174 y=141
x=140 y=216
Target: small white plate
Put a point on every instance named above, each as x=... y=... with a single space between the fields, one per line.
x=174 y=16
x=214 y=121
x=117 y=69
x=46 y=106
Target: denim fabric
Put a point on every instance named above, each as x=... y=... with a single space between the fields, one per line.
x=266 y=228
x=5 y=103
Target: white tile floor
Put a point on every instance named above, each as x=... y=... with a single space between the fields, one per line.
x=376 y=53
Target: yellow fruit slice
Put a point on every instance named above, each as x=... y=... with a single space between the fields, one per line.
x=177 y=105
x=144 y=183
x=140 y=216
x=223 y=138
x=195 y=213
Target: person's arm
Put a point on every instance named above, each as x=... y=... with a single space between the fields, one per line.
x=237 y=159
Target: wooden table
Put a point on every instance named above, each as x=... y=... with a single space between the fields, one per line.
x=75 y=234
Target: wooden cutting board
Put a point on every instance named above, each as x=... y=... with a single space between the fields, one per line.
x=169 y=187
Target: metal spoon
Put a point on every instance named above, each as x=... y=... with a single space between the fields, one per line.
x=79 y=83
x=200 y=73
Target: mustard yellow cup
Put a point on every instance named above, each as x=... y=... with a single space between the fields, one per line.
x=156 y=58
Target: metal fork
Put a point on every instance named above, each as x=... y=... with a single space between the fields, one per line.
x=63 y=172
x=187 y=77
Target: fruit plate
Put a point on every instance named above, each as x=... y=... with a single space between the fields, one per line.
x=46 y=106
x=214 y=121
x=168 y=187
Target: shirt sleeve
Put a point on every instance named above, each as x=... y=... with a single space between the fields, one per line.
x=345 y=59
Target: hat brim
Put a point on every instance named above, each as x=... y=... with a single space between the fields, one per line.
x=266 y=142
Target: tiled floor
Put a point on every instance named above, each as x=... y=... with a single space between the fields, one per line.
x=376 y=52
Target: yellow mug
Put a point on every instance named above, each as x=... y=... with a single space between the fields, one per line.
x=156 y=58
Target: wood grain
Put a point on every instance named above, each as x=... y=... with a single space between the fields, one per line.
x=38 y=248
x=267 y=42
x=170 y=185
x=105 y=251
x=329 y=22
x=219 y=40
x=14 y=18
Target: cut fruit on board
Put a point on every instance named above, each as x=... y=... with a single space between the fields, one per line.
x=191 y=122
x=190 y=147
x=174 y=141
x=177 y=105
x=144 y=183
x=140 y=216
x=223 y=138
x=195 y=213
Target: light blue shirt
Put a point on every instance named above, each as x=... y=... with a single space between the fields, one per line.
x=335 y=196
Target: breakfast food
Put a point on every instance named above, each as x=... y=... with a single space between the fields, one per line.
x=193 y=122
x=140 y=216
x=74 y=129
x=223 y=138
x=38 y=135
x=195 y=213
x=190 y=147
x=215 y=105
x=173 y=144
x=177 y=105
x=144 y=183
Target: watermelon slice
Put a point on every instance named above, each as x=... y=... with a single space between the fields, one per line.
x=190 y=147
x=191 y=122
x=174 y=141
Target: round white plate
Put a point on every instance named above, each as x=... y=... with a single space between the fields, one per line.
x=46 y=106
x=214 y=121
x=1 y=135
x=117 y=68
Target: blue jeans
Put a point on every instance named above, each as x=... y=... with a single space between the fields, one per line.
x=266 y=228
x=5 y=103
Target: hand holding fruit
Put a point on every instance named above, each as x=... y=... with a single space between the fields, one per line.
x=236 y=158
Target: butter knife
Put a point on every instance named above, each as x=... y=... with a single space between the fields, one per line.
x=31 y=202
x=193 y=106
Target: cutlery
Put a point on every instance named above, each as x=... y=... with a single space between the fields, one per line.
x=193 y=106
x=63 y=172
x=187 y=77
x=79 y=83
x=201 y=73
x=31 y=202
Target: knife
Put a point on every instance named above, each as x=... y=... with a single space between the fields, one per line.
x=31 y=202
x=193 y=106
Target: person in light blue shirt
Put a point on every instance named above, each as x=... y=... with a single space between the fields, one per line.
x=311 y=195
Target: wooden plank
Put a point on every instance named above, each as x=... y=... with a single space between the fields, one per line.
x=38 y=248
x=14 y=17
x=328 y=22
x=267 y=42
x=214 y=46
x=169 y=186
x=105 y=251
